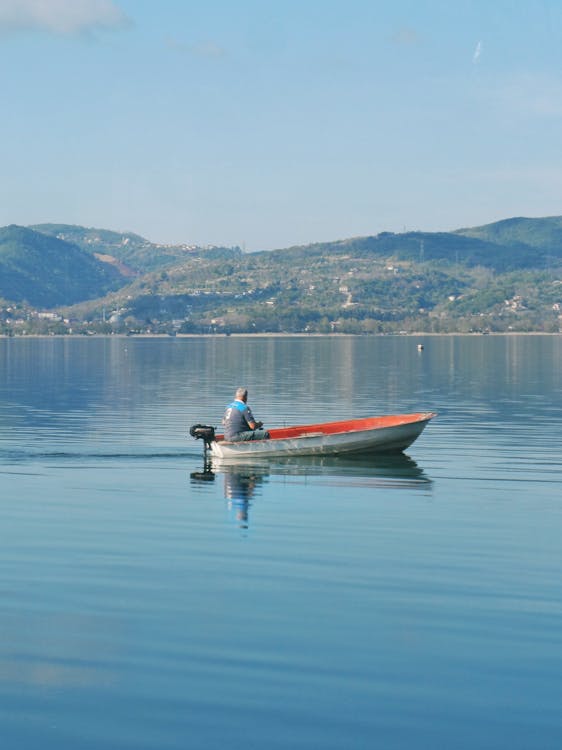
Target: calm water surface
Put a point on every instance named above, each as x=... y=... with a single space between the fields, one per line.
x=399 y=602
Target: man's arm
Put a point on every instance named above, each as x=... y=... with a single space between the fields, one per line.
x=251 y=422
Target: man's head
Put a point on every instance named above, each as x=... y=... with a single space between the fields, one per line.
x=241 y=394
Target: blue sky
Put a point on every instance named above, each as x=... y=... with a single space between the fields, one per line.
x=267 y=124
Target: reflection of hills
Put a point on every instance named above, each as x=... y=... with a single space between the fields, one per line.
x=98 y=394
x=67 y=374
x=366 y=375
x=121 y=393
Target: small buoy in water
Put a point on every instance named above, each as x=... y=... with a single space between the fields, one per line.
x=420 y=347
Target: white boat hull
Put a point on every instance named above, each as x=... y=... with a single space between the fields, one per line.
x=383 y=434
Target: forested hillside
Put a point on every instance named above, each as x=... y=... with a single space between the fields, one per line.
x=136 y=252
x=45 y=271
x=500 y=277
x=545 y=235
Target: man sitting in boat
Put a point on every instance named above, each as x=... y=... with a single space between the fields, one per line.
x=239 y=422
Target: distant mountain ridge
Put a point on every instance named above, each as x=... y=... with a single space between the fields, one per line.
x=510 y=243
x=505 y=245
x=510 y=270
x=138 y=254
x=544 y=234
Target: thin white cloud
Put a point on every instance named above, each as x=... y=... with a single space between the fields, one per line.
x=477 y=53
x=61 y=16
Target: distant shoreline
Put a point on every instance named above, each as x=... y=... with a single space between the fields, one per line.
x=273 y=335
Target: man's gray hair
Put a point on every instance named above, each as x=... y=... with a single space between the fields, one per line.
x=241 y=394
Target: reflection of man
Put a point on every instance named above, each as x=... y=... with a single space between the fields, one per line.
x=239 y=422
x=239 y=488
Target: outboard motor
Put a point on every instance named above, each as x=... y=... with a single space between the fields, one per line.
x=203 y=432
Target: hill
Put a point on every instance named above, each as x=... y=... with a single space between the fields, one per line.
x=544 y=235
x=45 y=271
x=502 y=276
x=450 y=247
x=131 y=250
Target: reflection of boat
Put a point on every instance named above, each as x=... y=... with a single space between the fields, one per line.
x=388 y=469
x=203 y=476
x=242 y=478
x=353 y=436
x=244 y=481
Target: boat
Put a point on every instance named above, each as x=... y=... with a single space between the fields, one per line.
x=384 y=434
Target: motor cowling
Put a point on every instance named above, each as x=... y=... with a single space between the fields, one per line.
x=203 y=432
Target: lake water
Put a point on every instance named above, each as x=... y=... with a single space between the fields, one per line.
x=394 y=603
